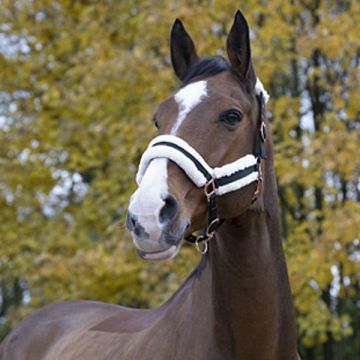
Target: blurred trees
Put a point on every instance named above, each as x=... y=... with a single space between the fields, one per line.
x=79 y=83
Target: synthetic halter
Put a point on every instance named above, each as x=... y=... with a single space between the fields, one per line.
x=215 y=181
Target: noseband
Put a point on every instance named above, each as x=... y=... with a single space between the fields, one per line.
x=215 y=181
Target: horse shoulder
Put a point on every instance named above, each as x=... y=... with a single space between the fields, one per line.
x=34 y=338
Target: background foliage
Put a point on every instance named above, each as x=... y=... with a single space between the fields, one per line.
x=79 y=83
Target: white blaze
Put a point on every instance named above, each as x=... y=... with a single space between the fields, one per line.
x=187 y=98
x=147 y=201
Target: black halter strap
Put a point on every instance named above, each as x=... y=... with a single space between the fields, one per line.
x=210 y=188
x=260 y=144
x=213 y=221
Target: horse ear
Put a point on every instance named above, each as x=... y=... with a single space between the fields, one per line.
x=238 y=49
x=182 y=48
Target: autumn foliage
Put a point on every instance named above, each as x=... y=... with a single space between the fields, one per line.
x=80 y=81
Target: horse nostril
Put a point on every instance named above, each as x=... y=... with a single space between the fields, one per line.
x=131 y=221
x=169 y=210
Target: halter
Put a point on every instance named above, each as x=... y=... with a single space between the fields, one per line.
x=215 y=181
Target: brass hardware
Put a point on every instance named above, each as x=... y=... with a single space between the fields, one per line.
x=210 y=188
x=202 y=246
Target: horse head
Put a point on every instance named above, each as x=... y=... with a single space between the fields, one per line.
x=210 y=140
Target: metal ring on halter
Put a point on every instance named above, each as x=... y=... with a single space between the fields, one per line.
x=201 y=241
x=211 y=229
x=202 y=245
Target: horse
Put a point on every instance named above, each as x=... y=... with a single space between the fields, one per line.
x=207 y=177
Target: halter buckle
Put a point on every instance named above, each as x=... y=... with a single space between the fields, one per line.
x=210 y=188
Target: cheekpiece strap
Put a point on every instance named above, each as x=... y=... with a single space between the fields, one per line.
x=213 y=222
x=260 y=144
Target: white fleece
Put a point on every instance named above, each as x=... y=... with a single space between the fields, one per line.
x=238 y=184
x=240 y=164
x=259 y=88
x=164 y=151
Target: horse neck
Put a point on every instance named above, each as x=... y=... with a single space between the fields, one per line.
x=252 y=303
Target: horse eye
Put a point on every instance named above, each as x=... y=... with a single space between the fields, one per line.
x=231 y=117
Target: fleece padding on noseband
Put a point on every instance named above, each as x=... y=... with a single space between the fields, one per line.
x=228 y=178
x=259 y=89
x=160 y=147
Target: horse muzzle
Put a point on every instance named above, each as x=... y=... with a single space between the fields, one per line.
x=157 y=230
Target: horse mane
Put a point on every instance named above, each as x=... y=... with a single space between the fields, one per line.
x=205 y=67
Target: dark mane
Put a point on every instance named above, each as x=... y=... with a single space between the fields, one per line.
x=206 y=67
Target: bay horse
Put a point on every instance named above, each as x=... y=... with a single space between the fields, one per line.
x=210 y=169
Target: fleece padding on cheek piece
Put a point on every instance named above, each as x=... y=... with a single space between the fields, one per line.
x=229 y=177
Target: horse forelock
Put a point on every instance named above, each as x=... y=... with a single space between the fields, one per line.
x=206 y=67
